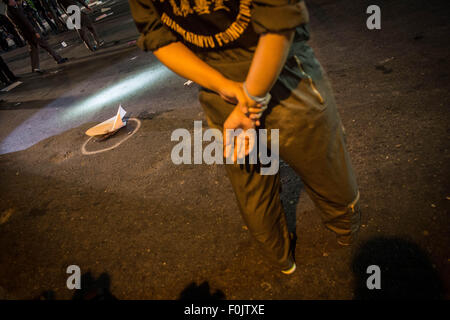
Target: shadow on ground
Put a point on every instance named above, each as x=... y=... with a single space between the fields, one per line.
x=91 y=289
x=406 y=271
x=200 y=292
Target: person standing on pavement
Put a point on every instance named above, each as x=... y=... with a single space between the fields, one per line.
x=15 y=13
x=239 y=51
x=85 y=23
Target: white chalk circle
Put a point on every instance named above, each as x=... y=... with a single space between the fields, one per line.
x=86 y=153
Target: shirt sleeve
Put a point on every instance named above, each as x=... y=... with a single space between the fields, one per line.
x=154 y=34
x=278 y=15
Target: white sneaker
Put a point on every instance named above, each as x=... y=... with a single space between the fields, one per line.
x=290 y=270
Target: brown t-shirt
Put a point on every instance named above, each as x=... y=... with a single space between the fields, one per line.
x=214 y=25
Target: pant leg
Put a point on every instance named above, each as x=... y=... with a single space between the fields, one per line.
x=3 y=77
x=17 y=39
x=54 y=15
x=6 y=71
x=49 y=21
x=33 y=22
x=312 y=141
x=44 y=45
x=51 y=24
x=12 y=30
x=4 y=43
x=84 y=35
x=39 y=21
x=258 y=196
x=86 y=22
x=34 y=54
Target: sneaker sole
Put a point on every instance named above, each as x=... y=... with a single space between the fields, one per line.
x=290 y=270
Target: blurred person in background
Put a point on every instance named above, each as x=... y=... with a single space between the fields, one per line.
x=43 y=14
x=9 y=28
x=87 y=27
x=32 y=15
x=33 y=38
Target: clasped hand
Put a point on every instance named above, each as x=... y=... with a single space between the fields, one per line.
x=246 y=115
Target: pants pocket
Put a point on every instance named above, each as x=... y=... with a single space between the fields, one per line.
x=308 y=78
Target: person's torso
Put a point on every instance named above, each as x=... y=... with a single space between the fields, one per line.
x=220 y=32
x=209 y=24
x=19 y=19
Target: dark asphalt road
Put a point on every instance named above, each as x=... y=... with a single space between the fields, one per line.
x=155 y=230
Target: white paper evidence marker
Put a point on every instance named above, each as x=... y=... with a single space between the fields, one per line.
x=110 y=125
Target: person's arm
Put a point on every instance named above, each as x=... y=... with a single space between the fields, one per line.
x=269 y=59
x=164 y=44
x=275 y=21
x=181 y=60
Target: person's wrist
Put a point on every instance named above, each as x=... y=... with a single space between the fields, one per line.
x=264 y=100
x=221 y=84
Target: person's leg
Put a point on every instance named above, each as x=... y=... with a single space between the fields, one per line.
x=50 y=14
x=6 y=71
x=84 y=35
x=51 y=24
x=87 y=22
x=39 y=21
x=34 y=55
x=49 y=21
x=12 y=30
x=3 y=78
x=258 y=196
x=61 y=26
x=4 y=43
x=16 y=38
x=3 y=67
x=33 y=22
x=44 y=44
x=312 y=142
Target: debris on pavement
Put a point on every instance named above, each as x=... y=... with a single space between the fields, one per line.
x=11 y=86
x=109 y=126
x=103 y=16
x=4 y=216
x=382 y=65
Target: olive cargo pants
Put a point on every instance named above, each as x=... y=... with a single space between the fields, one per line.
x=311 y=141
